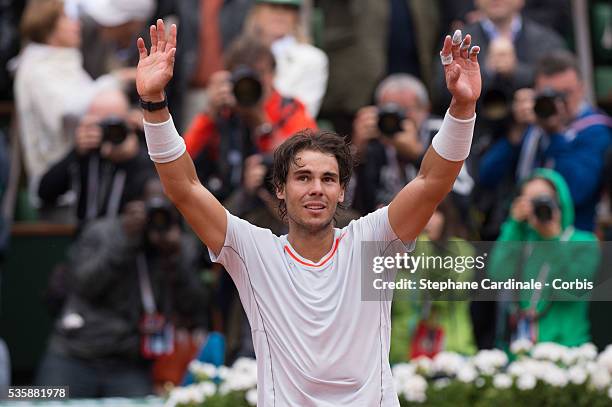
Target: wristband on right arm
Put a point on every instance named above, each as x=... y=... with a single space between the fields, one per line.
x=163 y=141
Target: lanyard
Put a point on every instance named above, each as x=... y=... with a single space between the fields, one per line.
x=146 y=292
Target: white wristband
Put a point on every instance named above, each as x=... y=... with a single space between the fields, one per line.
x=163 y=141
x=454 y=139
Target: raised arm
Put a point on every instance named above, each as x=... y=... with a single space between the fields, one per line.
x=411 y=209
x=200 y=208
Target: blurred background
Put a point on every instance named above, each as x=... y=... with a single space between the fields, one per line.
x=102 y=284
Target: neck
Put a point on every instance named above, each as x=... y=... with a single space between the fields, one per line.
x=504 y=25
x=311 y=245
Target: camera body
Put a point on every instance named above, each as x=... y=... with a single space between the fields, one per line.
x=390 y=118
x=114 y=130
x=543 y=208
x=545 y=103
x=160 y=215
x=247 y=86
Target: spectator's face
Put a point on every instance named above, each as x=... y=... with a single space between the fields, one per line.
x=274 y=21
x=312 y=191
x=266 y=75
x=67 y=33
x=568 y=83
x=538 y=187
x=500 y=9
x=409 y=101
x=113 y=105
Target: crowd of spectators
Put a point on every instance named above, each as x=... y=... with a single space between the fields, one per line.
x=248 y=75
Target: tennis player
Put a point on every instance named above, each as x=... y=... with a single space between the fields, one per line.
x=317 y=342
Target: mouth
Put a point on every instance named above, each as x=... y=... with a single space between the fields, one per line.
x=315 y=207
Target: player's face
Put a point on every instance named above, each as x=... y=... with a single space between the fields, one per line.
x=312 y=191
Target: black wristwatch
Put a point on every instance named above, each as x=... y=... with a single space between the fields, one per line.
x=153 y=106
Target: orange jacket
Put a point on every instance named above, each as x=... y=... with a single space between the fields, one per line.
x=287 y=116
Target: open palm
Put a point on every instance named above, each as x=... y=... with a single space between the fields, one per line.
x=155 y=68
x=462 y=75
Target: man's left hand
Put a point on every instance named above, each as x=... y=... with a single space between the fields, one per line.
x=462 y=74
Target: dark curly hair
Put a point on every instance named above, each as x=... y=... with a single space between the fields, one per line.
x=326 y=142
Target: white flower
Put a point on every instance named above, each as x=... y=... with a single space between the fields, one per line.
x=415 y=388
x=442 y=383
x=587 y=351
x=222 y=372
x=489 y=361
x=548 y=351
x=599 y=375
x=251 y=397
x=605 y=358
x=502 y=381
x=521 y=346
x=555 y=376
x=480 y=382
x=577 y=374
x=208 y=389
x=185 y=395
x=203 y=370
x=610 y=392
x=448 y=363
x=467 y=373
x=403 y=370
x=423 y=365
x=526 y=382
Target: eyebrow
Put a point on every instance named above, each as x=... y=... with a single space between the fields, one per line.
x=308 y=172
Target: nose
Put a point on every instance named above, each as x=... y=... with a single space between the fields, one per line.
x=316 y=187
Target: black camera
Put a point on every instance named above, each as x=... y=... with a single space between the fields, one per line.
x=390 y=118
x=545 y=104
x=248 y=89
x=114 y=130
x=543 y=208
x=160 y=214
x=496 y=104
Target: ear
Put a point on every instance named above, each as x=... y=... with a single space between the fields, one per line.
x=280 y=193
x=341 y=197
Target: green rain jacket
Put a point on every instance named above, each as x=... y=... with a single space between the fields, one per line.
x=452 y=316
x=574 y=255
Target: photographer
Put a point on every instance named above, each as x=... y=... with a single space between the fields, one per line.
x=555 y=127
x=132 y=281
x=105 y=164
x=390 y=140
x=245 y=116
x=543 y=212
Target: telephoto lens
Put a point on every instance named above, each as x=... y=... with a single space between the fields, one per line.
x=247 y=86
x=160 y=216
x=543 y=207
x=545 y=104
x=390 y=118
x=114 y=130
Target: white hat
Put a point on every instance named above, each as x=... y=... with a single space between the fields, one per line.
x=111 y=13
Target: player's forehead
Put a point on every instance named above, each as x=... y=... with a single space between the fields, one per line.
x=314 y=161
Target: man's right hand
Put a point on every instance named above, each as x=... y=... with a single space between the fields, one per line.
x=365 y=126
x=219 y=92
x=88 y=135
x=155 y=68
x=522 y=106
x=521 y=209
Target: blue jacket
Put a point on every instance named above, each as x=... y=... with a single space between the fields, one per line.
x=578 y=155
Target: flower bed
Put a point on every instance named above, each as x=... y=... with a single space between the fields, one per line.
x=546 y=374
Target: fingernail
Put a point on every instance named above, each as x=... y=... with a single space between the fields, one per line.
x=457 y=37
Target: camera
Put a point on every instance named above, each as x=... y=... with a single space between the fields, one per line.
x=114 y=130
x=545 y=103
x=543 y=207
x=248 y=89
x=496 y=104
x=390 y=118
x=160 y=214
